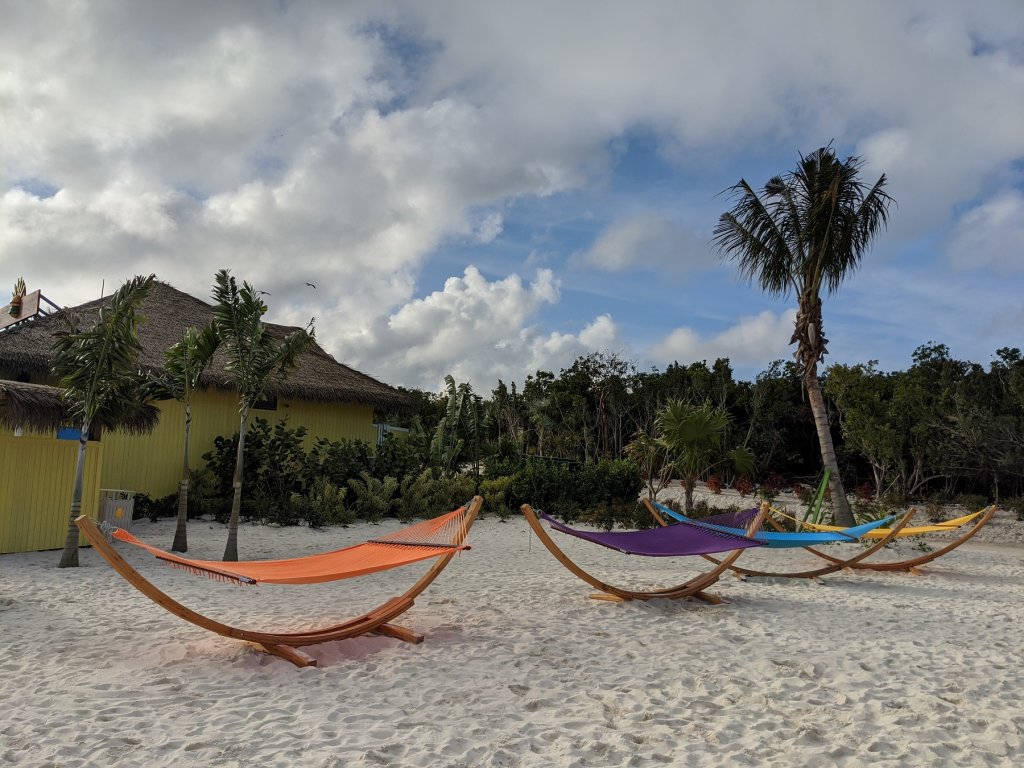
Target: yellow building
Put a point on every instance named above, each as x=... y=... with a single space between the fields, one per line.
x=330 y=400
x=37 y=470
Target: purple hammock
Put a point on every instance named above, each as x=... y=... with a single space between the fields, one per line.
x=672 y=541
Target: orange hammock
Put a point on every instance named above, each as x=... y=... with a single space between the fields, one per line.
x=422 y=541
x=441 y=538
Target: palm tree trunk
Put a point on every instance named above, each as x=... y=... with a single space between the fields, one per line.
x=231 y=550
x=688 y=486
x=69 y=557
x=840 y=504
x=181 y=531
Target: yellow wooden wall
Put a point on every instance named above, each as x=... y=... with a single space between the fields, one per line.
x=152 y=463
x=36 y=476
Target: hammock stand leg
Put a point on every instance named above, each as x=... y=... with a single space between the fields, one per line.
x=286 y=652
x=399 y=633
x=283 y=644
x=707 y=597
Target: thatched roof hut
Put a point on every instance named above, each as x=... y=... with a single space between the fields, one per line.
x=169 y=312
x=31 y=406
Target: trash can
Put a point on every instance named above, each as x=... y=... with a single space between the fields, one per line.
x=116 y=507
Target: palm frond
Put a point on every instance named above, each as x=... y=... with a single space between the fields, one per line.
x=96 y=366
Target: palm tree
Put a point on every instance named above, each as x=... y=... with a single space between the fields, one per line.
x=184 y=365
x=256 y=358
x=102 y=384
x=692 y=435
x=808 y=230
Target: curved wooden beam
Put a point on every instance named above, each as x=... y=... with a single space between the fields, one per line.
x=813 y=573
x=283 y=643
x=911 y=564
x=692 y=588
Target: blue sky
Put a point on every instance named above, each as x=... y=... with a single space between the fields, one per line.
x=486 y=189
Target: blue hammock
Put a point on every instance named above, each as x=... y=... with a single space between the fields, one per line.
x=781 y=540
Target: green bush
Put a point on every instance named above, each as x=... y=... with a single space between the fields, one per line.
x=339 y=460
x=275 y=468
x=327 y=505
x=589 y=491
x=496 y=494
x=502 y=466
x=541 y=484
x=397 y=457
x=414 y=496
x=154 y=509
x=203 y=493
x=450 y=493
x=373 y=496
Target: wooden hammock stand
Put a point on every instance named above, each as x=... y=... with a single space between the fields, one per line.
x=693 y=588
x=286 y=644
x=836 y=564
x=911 y=565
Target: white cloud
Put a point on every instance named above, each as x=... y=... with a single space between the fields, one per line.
x=991 y=235
x=753 y=340
x=299 y=142
x=645 y=240
x=476 y=330
x=489 y=227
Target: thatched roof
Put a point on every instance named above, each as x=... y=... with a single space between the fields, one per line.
x=168 y=313
x=31 y=406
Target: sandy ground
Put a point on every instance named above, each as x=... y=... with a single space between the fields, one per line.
x=519 y=667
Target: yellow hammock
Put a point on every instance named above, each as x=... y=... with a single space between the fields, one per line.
x=881 y=533
x=912 y=564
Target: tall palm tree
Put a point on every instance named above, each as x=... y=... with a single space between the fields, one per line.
x=807 y=231
x=184 y=364
x=102 y=384
x=256 y=358
x=692 y=435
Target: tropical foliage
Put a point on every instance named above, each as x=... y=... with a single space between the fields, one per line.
x=96 y=366
x=692 y=436
x=256 y=357
x=805 y=233
x=184 y=365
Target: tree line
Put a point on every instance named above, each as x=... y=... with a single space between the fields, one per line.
x=941 y=428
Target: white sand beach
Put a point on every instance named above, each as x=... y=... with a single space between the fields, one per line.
x=519 y=667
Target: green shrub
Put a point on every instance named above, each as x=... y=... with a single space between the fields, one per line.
x=502 y=466
x=339 y=460
x=414 y=498
x=542 y=484
x=327 y=505
x=203 y=493
x=496 y=493
x=397 y=458
x=373 y=496
x=154 y=509
x=867 y=511
x=608 y=482
x=450 y=493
